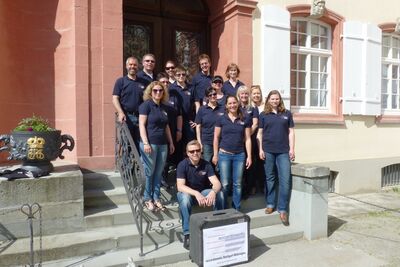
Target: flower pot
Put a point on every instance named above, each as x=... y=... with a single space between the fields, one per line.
x=36 y=150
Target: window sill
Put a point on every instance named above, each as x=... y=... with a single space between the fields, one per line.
x=307 y=118
x=387 y=119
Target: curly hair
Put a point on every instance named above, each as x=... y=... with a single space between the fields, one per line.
x=147 y=93
x=268 y=107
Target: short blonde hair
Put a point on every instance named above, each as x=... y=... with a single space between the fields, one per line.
x=147 y=93
x=241 y=89
x=232 y=66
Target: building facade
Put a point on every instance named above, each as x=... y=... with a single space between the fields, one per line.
x=337 y=66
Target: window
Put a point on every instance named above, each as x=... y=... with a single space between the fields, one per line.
x=390 y=74
x=310 y=69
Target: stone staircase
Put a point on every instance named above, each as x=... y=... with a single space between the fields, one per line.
x=111 y=236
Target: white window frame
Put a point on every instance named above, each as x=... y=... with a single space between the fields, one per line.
x=390 y=61
x=309 y=51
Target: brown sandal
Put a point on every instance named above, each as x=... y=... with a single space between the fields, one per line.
x=149 y=205
x=159 y=205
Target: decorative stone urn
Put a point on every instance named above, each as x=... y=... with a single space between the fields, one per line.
x=36 y=149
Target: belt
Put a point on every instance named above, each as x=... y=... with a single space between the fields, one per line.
x=226 y=152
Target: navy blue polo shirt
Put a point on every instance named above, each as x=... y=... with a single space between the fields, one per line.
x=146 y=78
x=197 y=177
x=222 y=100
x=130 y=93
x=250 y=112
x=275 y=127
x=174 y=109
x=186 y=99
x=232 y=133
x=207 y=117
x=228 y=89
x=200 y=83
x=157 y=120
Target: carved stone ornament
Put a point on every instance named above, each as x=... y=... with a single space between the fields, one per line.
x=397 y=28
x=317 y=9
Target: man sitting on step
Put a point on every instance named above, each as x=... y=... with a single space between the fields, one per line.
x=197 y=185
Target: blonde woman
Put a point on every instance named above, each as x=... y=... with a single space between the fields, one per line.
x=155 y=135
x=231 y=86
x=257 y=98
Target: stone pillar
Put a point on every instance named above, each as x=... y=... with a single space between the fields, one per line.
x=309 y=200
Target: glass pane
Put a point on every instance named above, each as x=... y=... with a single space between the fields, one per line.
x=323 y=31
x=293 y=25
x=302 y=38
x=302 y=26
x=395 y=70
x=293 y=38
x=322 y=81
x=314 y=29
x=293 y=75
x=384 y=86
x=324 y=64
x=136 y=40
x=394 y=87
x=386 y=40
x=314 y=63
x=301 y=95
x=385 y=51
x=315 y=42
x=301 y=80
x=324 y=43
x=293 y=97
x=395 y=53
x=396 y=42
x=314 y=98
x=302 y=62
x=394 y=102
x=314 y=80
x=293 y=61
x=322 y=102
x=385 y=68
x=384 y=101
x=187 y=49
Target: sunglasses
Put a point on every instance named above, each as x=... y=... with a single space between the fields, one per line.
x=217 y=82
x=149 y=60
x=158 y=91
x=180 y=74
x=165 y=82
x=213 y=94
x=169 y=68
x=193 y=151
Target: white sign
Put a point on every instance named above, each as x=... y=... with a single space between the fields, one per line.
x=225 y=245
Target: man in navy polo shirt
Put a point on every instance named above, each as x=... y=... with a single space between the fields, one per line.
x=196 y=184
x=127 y=96
x=147 y=74
x=202 y=80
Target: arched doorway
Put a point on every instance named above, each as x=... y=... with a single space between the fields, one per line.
x=169 y=29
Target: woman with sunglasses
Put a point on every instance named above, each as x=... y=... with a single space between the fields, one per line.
x=276 y=145
x=216 y=84
x=250 y=113
x=206 y=118
x=155 y=135
x=231 y=150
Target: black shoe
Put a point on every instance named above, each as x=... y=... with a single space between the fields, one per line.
x=186 y=242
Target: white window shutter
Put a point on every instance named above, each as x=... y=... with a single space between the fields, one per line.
x=275 y=51
x=361 y=68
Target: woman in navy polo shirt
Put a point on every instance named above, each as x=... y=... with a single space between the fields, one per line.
x=276 y=145
x=232 y=84
x=205 y=120
x=232 y=137
x=155 y=135
x=251 y=113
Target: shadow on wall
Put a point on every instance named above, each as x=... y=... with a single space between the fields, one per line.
x=27 y=61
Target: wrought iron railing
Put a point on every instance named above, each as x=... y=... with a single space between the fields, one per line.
x=390 y=175
x=132 y=174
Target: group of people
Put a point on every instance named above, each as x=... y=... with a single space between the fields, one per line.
x=220 y=134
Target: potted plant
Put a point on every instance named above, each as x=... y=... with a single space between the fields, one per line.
x=35 y=143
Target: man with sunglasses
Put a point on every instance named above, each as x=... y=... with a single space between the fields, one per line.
x=197 y=184
x=147 y=74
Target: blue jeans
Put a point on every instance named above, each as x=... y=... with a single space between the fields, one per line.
x=282 y=163
x=231 y=172
x=153 y=168
x=208 y=152
x=186 y=202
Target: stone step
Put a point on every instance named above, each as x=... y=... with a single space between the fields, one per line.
x=102 y=180
x=121 y=214
x=169 y=253
x=104 y=239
